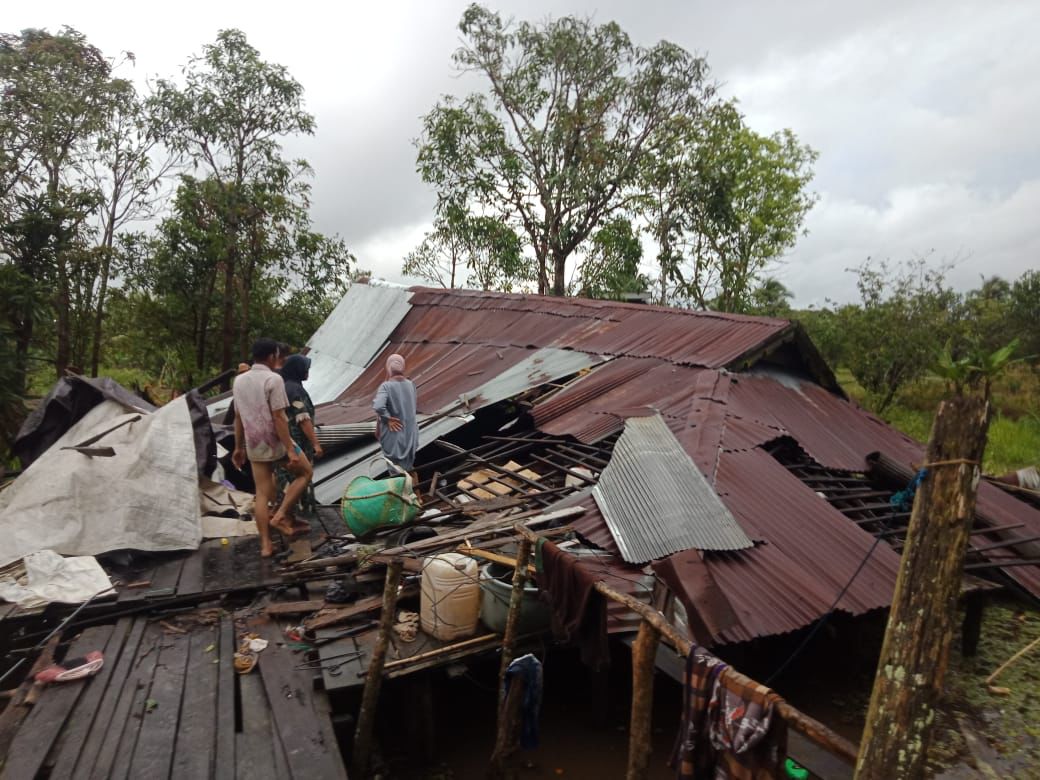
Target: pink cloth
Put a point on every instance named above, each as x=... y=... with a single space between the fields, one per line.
x=394 y=366
x=258 y=393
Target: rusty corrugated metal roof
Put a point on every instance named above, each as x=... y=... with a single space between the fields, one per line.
x=674 y=362
x=683 y=337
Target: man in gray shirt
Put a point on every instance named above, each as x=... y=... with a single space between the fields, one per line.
x=394 y=405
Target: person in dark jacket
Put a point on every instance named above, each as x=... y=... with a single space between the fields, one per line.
x=295 y=371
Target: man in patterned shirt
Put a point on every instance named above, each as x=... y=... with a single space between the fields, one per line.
x=262 y=436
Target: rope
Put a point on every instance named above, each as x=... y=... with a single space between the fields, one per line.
x=954 y=462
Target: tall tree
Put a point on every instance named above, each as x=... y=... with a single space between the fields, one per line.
x=610 y=266
x=229 y=117
x=127 y=169
x=487 y=249
x=735 y=201
x=555 y=143
x=58 y=90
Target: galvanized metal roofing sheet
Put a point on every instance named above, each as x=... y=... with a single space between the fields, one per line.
x=352 y=334
x=656 y=502
x=333 y=474
x=444 y=413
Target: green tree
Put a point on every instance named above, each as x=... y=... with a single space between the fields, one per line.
x=610 y=267
x=555 y=143
x=58 y=92
x=906 y=314
x=742 y=200
x=487 y=249
x=771 y=299
x=127 y=168
x=1024 y=313
x=229 y=118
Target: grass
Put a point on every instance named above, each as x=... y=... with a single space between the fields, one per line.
x=1014 y=433
x=1009 y=723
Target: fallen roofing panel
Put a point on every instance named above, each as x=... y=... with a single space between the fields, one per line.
x=656 y=502
x=355 y=331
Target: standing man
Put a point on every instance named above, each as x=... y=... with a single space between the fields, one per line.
x=262 y=435
x=397 y=429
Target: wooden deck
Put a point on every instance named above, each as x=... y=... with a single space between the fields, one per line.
x=170 y=705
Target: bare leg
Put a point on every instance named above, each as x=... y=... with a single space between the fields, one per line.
x=263 y=476
x=302 y=473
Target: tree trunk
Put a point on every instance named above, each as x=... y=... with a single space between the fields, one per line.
x=63 y=326
x=228 y=328
x=559 y=273
x=99 y=314
x=920 y=626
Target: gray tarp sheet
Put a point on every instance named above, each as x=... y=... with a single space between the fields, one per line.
x=144 y=497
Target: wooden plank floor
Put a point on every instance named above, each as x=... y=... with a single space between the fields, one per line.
x=169 y=704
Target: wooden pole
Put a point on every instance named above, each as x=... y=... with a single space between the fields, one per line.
x=644 y=657
x=808 y=727
x=505 y=734
x=516 y=599
x=374 y=680
x=920 y=625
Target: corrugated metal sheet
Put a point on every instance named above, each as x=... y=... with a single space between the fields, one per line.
x=458 y=342
x=656 y=502
x=356 y=330
x=536 y=368
x=684 y=337
x=332 y=475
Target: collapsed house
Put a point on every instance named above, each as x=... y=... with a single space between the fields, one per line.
x=700 y=467
x=748 y=399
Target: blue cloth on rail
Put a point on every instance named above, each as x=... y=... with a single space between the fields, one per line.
x=529 y=669
x=904 y=499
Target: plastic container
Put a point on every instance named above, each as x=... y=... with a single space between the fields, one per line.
x=496 y=588
x=369 y=504
x=449 y=598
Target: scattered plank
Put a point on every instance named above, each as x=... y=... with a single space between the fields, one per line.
x=32 y=744
x=224 y=763
x=334 y=617
x=294 y=717
x=74 y=736
x=294 y=607
x=196 y=734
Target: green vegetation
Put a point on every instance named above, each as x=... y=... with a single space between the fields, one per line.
x=85 y=159
x=1014 y=434
x=579 y=140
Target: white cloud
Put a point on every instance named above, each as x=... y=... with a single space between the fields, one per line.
x=924 y=113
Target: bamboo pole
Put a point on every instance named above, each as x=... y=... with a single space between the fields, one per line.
x=644 y=657
x=374 y=680
x=915 y=651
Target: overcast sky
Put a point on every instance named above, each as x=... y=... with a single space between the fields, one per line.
x=925 y=114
